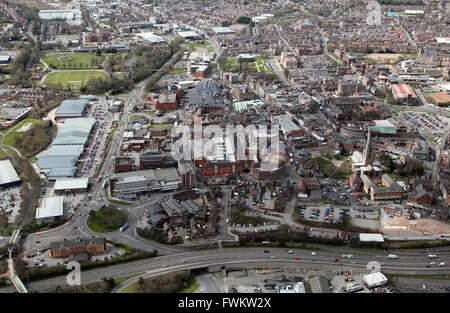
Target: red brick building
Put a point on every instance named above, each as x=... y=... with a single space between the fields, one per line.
x=63 y=249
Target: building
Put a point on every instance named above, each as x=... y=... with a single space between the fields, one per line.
x=8 y=175
x=51 y=209
x=131 y=184
x=74 y=131
x=67 y=247
x=383 y=127
x=71 y=185
x=187 y=175
x=287 y=125
x=189 y=34
x=404 y=94
x=166 y=101
x=5 y=59
x=291 y=287
x=71 y=108
x=374 y=280
x=123 y=164
x=68 y=16
x=150 y=160
x=150 y=38
x=223 y=31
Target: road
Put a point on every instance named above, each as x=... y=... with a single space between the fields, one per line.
x=413 y=259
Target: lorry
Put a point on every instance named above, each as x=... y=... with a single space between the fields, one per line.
x=392 y=256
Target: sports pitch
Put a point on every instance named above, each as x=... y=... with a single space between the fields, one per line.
x=72 y=60
x=72 y=79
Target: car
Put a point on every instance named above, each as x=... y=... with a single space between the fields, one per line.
x=82 y=227
x=297 y=258
x=313 y=253
x=353 y=262
x=38 y=241
x=442 y=264
x=273 y=257
x=266 y=251
x=432 y=263
x=165 y=265
x=290 y=251
x=336 y=260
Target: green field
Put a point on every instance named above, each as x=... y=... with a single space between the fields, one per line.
x=106 y=220
x=10 y=139
x=198 y=44
x=77 y=61
x=72 y=79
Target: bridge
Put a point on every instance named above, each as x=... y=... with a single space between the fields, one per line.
x=18 y=284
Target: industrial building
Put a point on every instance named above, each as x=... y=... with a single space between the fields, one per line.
x=71 y=108
x=223 y=31
x=189 y=34
x=51 y=209
x=71 y=185
x=74 y=131
x=69 y=16
x=150 y=37
x=8 y=175
x=66 y=149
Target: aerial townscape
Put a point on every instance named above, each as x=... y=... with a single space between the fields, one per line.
x=224 y=146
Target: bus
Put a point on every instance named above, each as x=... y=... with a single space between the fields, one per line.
x=99 y=179
x=124 y=227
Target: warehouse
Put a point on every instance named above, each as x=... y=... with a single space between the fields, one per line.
x=374 y=280
x=69 y=16
x=57 y=165
x=150 y=37
x=71 y=185
x=74 y=131
x=71 y=108
x=286 y=125
x=371 y=238
x=223 y=31
x=189 y=34
x=51 y=209
x=8 y=175
x=66 y=150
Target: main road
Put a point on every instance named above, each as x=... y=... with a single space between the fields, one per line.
x=414 y=260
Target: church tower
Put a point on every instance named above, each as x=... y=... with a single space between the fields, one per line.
x=368 y=148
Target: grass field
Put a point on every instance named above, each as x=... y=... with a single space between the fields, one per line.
x=119 y=280
x=77 y=61
x=129 y=289
x=198 y=44
x=10 y=139
x=74 y=79
x=106 y=220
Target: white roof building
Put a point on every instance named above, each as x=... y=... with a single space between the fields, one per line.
x=375 y=279
x=8 y=174
x=371 y=237
x=71 y=183
x=50 y=208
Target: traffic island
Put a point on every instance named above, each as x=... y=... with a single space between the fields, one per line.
x=106 y=219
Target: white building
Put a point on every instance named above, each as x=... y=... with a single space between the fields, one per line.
x=374 y=279
x=51 y=209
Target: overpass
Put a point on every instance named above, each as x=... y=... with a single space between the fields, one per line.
x=18 y=284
